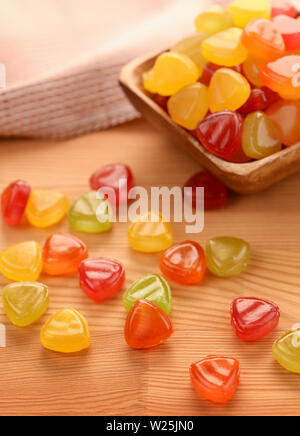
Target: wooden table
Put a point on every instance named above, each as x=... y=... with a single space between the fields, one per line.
x=110 y=378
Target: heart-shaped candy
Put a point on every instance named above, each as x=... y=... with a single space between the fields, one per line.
x=254 y=318
x=101 y=278
x=147 y=325
x=46 y=208
x=286 y=351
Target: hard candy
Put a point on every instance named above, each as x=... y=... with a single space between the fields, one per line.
x=67 y=331
x=210 y=69
x=280 y=7
x=244 y=11
x=191 y=47
x=251 y=70
x=25 y=303
x=14 y=201
x=289 y=28
x=215 y=193
x=286 y=116
x=46 y=208
x=286 y=351
x=147 y=325
x=259 y=100
x=148 y=82
x=214 y=20
x=151 y=287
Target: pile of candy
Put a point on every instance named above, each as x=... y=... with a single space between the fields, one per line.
x=235 y=84
x=149 y=299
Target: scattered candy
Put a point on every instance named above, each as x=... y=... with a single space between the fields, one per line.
x=215 y=193
x=22 y=262
x=286 y=351
x=184 y=263
x=150 y=234
x=221 y=133
x=226 y=256
x=90 y=214
x=286 y=115
x=66 y=332
x=189 y=105
x=191 y=47
x=14 y=201
x=289 y=28
x=25 y=303
x=46 y=208
x=244 y=11
x=62 y=254
x=261 y=137
x=147 y=325
x=225 y=48
x=101 y=278
x=254 y=318
x=114 y=176
x=151 y=287
x=228 y=90
x=216 y=378
x=214 y=20
x=172 y=71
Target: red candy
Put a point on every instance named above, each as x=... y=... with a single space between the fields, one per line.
x=184 y=263
x=13 y=202
x=253 y=318
x=290 y=31
x=283 y=8
x=162 y=101
x=215 y=193
x=221 y=133
x=101 y=278
x=216 y=378
x=109 y=177
x=239 y=157
x=210 y=69
x=259 y=100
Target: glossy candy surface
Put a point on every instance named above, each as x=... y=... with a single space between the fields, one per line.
x=225 y=48
x=184 y=263
x=282 y=76
x=261 y=137
x=289 y=28
x=251 y=69
x=114 y=177
x=226 y=256
x=22 y=262
x=151 y=287
x=216 y=378
x=62 y=254
x=148 y=82
x=66 y=331
x=210 y=69
x=24 y=303
x=259 y=100
x=280 y=7
x=228 y=90
x=286 y=350
x=90 y=214
x=254 y=318
x=101 y=278
x=147 y=325
x=191 y=47
x=214 y=20
x=189 y=106
x=172 y=71
x=14 y=201
x=221 y=133
x=215 y=193
x=46 y=208
x=244 y=11
x=286 y=115
x=263 y=40
x=150 y=234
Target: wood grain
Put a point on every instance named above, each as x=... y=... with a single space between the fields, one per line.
x=110 y=378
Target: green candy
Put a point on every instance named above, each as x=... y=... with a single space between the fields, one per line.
x=90 y=214
x=151 y=287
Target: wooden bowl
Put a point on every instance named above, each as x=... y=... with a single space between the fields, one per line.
x=244 y=178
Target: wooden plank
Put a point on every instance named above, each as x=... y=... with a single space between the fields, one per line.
x=110 y=378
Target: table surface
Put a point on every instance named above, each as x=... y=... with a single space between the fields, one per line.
x=110 y=378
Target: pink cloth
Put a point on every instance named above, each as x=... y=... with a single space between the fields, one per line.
x=63 y=59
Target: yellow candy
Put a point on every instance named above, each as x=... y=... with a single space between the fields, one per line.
x=172 y=71
x=189 y=106
x=147 y=236
x=66 y=332
x=148 y=82
x=261 y=137
x=46 y=208
x=191 y=47
x=225 y=48
x=244 y=11
x=251 y=69
x=286 y=351
x=228 y=90
x=24 y=303
x=22 y=262
x=214 y=20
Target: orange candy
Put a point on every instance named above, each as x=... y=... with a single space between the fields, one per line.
x=251 y=69
x=62 y=254
x=216 y=378
x=286 y=115
x=147 y=325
